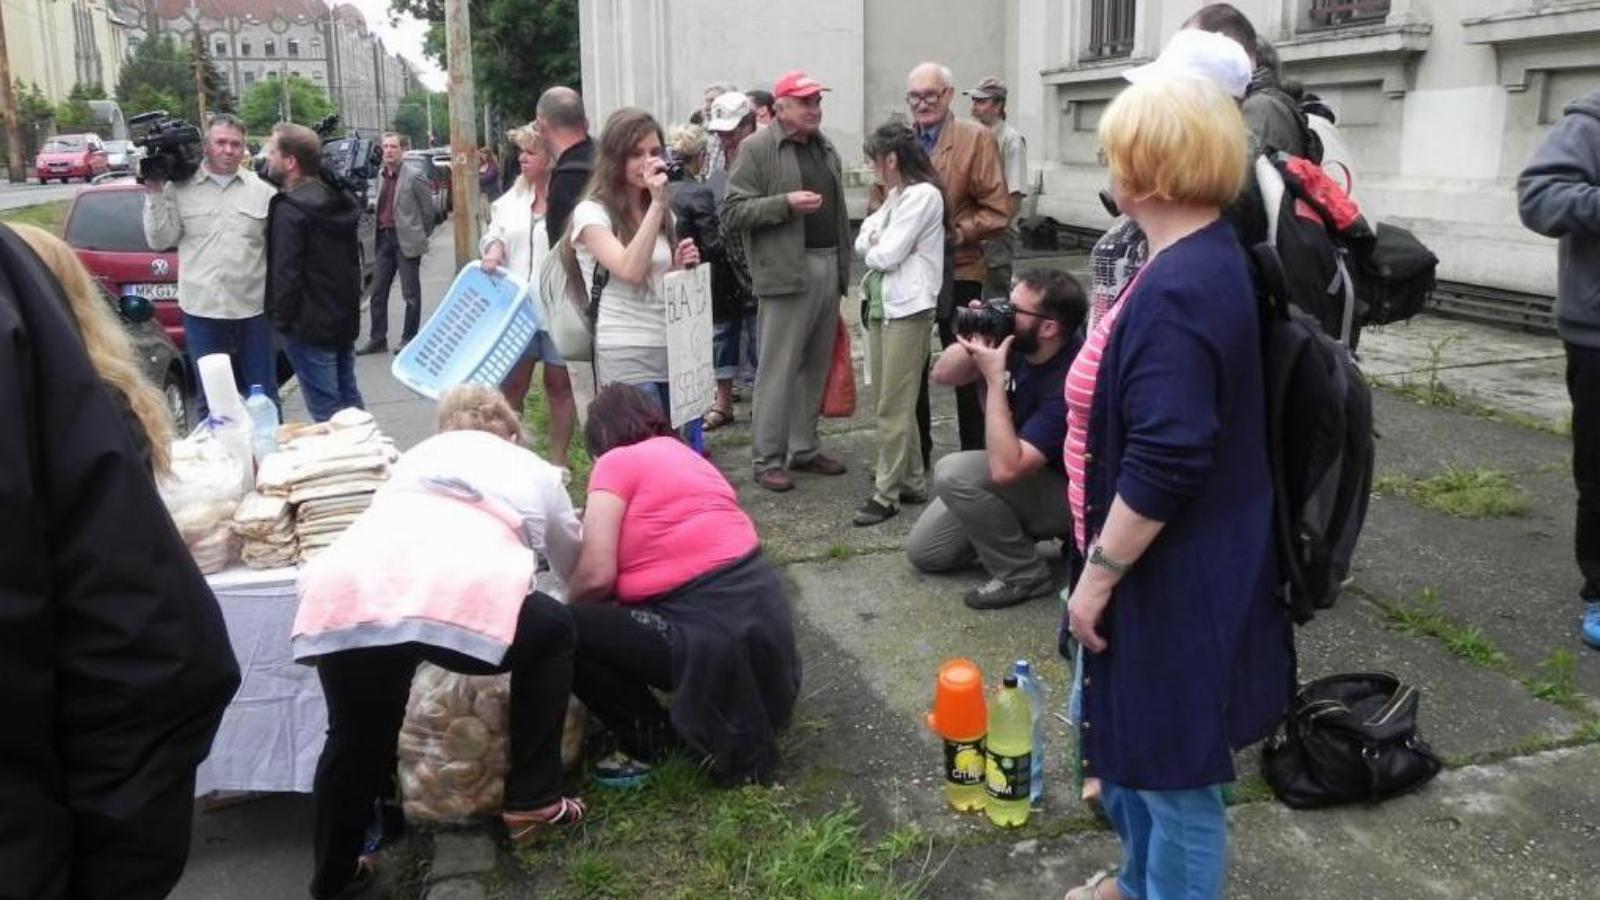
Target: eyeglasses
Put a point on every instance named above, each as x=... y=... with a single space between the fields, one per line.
x=924 y=98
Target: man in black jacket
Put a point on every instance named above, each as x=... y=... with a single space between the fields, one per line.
x=565 y=130
x=313 y=272
x=115 y=665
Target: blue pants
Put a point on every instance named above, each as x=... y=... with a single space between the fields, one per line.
x=327 y=377
x=1174 y=843
x=693 y=431
x=248 y=342
x=733 y=347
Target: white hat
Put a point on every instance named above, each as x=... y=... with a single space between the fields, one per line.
x=1205 y=54
x=728 y=110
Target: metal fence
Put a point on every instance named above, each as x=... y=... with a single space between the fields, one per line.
x=1111 y=28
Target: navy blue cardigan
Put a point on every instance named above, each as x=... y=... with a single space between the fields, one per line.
x=1198 y=658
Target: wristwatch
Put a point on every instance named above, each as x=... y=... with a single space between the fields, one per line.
x=1098 y=557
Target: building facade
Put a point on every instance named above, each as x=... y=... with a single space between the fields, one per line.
x=58 y=44
x=257 y=40
x=1440 y=102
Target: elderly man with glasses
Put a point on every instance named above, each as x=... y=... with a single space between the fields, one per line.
x=977 y=208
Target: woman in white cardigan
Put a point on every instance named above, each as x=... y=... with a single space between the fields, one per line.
x=516 y=240
x=903 y=246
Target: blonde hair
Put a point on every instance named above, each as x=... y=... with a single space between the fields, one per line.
x=1178 y=139
x=687 y=141
x=477 y=407
x=526 y=138
x=110 y=350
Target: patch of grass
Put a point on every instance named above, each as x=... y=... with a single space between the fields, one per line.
x=49 y=216
x=536 y=414
x=1436 y=393
x=1248 y=789
x=1462 y=493
x=1586 y=734
x=681 y=837
x=1425 y=618
x=1555 y=684
x=840 y=551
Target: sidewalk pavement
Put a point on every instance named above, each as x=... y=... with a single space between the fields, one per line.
x=1512 y=816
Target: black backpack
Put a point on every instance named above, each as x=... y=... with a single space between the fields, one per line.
x=1395 y=279
x=1319 y=439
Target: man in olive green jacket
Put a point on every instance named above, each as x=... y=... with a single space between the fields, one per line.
x=786 y=194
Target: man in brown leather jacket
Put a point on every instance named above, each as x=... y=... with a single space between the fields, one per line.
x=976 y=209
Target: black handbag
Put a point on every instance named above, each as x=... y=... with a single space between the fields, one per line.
x=1349 y=738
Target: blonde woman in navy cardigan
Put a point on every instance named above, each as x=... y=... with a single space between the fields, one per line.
x=1167 y=460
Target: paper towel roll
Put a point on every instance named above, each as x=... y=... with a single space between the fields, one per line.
x=216 y=379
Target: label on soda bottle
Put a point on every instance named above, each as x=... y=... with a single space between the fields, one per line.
x=963 y=762
x=1008 y=777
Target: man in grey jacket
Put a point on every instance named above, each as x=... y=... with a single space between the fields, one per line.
x=1558 y=195
x=785 y=194
x=405 y=219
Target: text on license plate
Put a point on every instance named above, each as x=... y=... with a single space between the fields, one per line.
x=163 y=291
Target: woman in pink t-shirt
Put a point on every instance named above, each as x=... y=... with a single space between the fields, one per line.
x=673 y=592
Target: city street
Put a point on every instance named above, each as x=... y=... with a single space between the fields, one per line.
x=31 y=193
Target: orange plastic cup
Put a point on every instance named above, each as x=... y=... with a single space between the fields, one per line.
x=959 y=712
x=961 y=717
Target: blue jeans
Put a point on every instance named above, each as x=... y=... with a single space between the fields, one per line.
x=733 y=342
x=327 y=377
x=1174 y=843
x=247 y=341
x=693 y=431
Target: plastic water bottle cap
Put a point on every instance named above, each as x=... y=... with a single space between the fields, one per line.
x=257 y=390
x=1010 y=681
x=1021 y=667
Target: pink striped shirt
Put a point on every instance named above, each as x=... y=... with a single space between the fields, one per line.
x=1079 y=386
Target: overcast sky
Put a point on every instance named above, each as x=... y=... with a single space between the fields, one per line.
x=405 y=39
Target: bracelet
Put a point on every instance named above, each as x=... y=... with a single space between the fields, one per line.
x=1098 y=557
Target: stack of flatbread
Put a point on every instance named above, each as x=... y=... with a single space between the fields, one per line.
x=327 y=473
x=266 y=525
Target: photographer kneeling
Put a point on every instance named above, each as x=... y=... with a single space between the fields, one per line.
x=994 y=504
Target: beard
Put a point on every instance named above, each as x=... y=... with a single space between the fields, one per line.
x=1026 y=342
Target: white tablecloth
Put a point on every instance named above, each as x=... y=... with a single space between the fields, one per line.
x=272 y=732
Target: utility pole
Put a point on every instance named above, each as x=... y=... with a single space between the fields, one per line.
x=199 y=71
x=427 y=97
x=8 y=98
x=463 y=149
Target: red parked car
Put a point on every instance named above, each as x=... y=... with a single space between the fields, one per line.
x=105 y=224
x=68 y=156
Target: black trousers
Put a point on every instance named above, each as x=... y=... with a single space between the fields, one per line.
x=969 y=411
x=623 y=652
x=366 y=691
x=387 y=248
x=1583 y=386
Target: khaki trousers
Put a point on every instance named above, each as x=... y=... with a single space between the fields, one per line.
x=976 y=520
x=797 y=332
x=899 y=352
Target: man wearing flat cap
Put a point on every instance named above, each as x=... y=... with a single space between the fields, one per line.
x=989 y=108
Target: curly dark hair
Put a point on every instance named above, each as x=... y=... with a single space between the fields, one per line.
x=621 y=415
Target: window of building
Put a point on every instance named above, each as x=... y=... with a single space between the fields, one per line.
x=222 y=48
x=272 y=74
x=294 y=46
x=317 y=74
x=269 y=48
x=249 y=78
x=1110 y=28
x=1340 y=13
x=244 y=47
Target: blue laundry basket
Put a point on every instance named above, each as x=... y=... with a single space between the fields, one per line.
x=480 y=330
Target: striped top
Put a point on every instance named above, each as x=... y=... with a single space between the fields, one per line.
x=1079 y=388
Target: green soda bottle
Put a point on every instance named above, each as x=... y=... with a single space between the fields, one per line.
x=1008 y=756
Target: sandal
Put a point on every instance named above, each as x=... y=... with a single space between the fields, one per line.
x=716 y=418
x=525 y=829
x=1090 y=890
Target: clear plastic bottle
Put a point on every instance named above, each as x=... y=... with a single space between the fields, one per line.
x=263 y=422
x=1008 y=756
x=1034 y=691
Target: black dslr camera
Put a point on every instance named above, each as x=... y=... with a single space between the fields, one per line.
x=172 y=147
x=996 y=319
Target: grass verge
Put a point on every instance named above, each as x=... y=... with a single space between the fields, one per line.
x=1435 y=393
x=536 y=414
x=678 y=837
x=49 y=216
x=1462 y=493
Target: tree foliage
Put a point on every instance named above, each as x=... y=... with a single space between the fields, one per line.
x=263 y=104
x=160 y=75
x=411 y=117
x=519 y=48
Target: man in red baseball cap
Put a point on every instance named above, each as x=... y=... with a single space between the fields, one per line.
x=785 y=194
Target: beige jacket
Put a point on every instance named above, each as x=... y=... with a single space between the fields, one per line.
x=221 y=236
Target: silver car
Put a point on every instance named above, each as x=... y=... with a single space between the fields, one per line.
x=121 y=155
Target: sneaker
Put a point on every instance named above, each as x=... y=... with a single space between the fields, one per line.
x=379 y=345
x=998 y=594
x=872 y=512
x=819 y=464
x=620 y=771
x=913 y=498
x=1591 y=624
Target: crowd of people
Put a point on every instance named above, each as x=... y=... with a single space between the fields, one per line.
x=1125 y=420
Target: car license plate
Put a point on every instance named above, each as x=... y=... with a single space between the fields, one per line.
x=164 y=291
